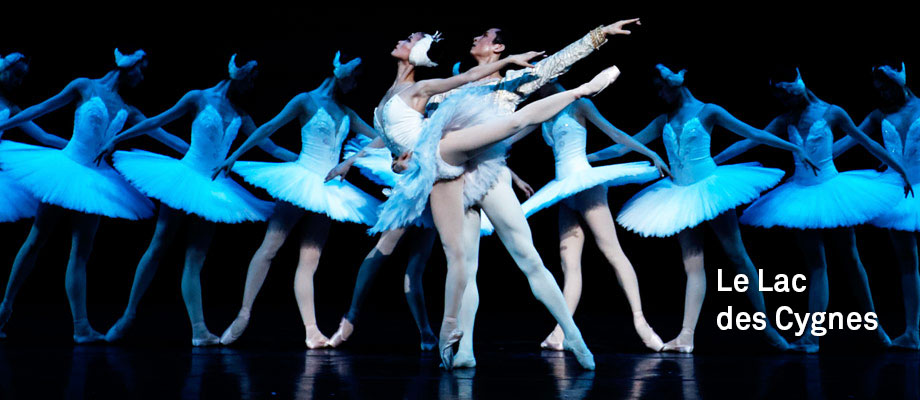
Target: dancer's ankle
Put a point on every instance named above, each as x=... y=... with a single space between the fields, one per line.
x=244 y=313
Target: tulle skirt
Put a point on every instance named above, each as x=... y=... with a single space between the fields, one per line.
x=665 y=208
x=847 y=199
x=180 y=186
x=294 y=183
x=16 y=202
x=560 y=189
x=905 y=215
x=54 y=178
x=376 y=165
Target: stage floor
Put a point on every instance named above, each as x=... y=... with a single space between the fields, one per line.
x=382 y=361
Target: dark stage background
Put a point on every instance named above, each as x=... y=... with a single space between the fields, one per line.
x=729 y=53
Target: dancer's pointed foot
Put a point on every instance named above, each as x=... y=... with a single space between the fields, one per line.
x=581 y=352
x=807 y=344
x=84 y=333
x=908 y=340
x=683 y=343
x=315 y=338
x=464 y=359
x=554 y=340
x=201 y=336
x=775 y=339
x=646 y=333
x=429 y=341
x=599 y=82
x=236 y=329
x=343 y=333
x=448 y=338
x=120 y=329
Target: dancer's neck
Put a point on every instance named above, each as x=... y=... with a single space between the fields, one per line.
x=491 y=58
x=327 y=88
x=405 y=73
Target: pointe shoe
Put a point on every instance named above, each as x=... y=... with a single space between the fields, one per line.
x=446 y=348
x=346 y=328
x=83 y=333
x=553 y=342
x=119 y=330
x=429 y=342
x=601 y=81
x=683 y=343
x=581 y=352
x=908 y=340
x=315 y=338
x=235 y=330
x=464 y=359
x=646 y=333
x=209 y=339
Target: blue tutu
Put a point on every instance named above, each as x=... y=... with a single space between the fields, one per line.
x=16 y=202
x=665 y=208
x=376 y=164
x=905 y=215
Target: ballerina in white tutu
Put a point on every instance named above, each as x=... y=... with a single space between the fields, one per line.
x=70 y=185
x=16 y=202
x=581 y=191
x=826 y=205
x=301 y=193
x=186 y=192
x=898 y=121
x=699 y=191
x=404 y=124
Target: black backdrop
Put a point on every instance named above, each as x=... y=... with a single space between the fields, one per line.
x=728 y=51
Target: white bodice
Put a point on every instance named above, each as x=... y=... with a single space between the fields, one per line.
x=819 y=146
x=92 y=129
x=906 y=151
x=401 y=125
x=210 y=141
x=568 y=139
x=322 y=141
x=688 y=152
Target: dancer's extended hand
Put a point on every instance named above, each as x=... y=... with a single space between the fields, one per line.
x=224 y=167
x=107 y=149
x=522 y=186
x=616 y=28
x=340 y=170
x=663 y=170
x=524 y=58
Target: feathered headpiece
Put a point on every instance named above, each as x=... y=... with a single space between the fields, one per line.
x=237 y=73
x=670 y=77
x=899 y=77
x=418 y=56
x=123 y=61
x=10 y=59
x=344 y=70
x=795 y=87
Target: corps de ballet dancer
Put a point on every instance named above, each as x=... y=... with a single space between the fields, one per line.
x=823 y=207
x=186 y=192
x=464 y=125
x=301 y=193
x=898 y=119
x=70 y=185
x=699 y=191
x=410 y=53
x=16 y=202
x=581 y=191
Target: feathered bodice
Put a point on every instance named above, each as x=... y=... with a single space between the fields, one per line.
x=92 y=129
x=568 y=139
x=688 y=151
x=322 y=141
x=401 y=125
x=210 y=141
x=906 y=151
x=818 y=144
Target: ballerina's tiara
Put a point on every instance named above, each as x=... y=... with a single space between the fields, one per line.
x=796 y=86
x=123 y=61
x=418 y=56
x=899 y=77
x=670 y=77
x=10 y=59
x=344 y=70
x=237 y=73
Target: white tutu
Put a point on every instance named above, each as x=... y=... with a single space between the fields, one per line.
x=665 y=208
x=847 y=199
x=560 y=189
x=55 y=178
x=905 y=215
x=294 y=183
x=376 y=165
x=16 y=202
x=179 y=186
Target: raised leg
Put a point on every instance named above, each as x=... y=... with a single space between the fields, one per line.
x=200 y=234
x=729 y=234
x=315 y=232
x=168 y=221
x=84 y=231
x=282 y=220
x=905 y=246
x=45 y=219
x=503 y=208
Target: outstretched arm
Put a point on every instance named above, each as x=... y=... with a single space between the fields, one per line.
x=589 y=110
x=842 y=120
x=421 y=91
x=740 y=147
x=266 y=144
x=651 y=132
x=724 y=119
x=185 y=104
x=359 y=126
x=257 y=136
x=39 y=134
x=68 y=94
x=521 y=184
x=869 y=126
x=172 y=141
